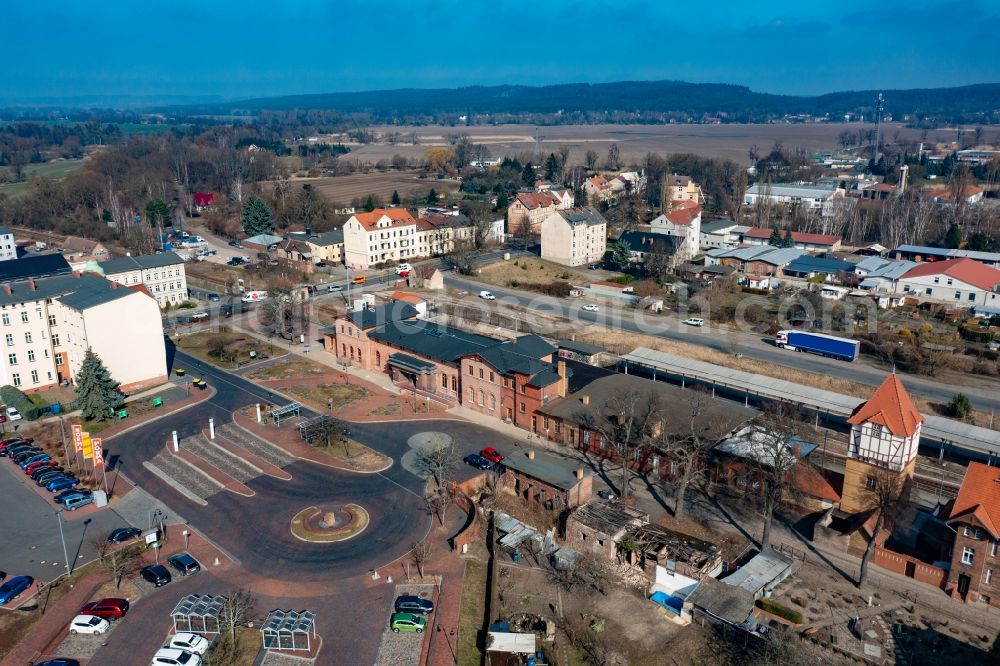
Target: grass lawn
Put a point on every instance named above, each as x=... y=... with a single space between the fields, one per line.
x=527 y=271
x=319 y=396
x=239 y=344
x=56 y=170
x=296 y=367
x=473 y=611
x=356 y=455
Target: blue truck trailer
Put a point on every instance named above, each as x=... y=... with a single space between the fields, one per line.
x=818 y=343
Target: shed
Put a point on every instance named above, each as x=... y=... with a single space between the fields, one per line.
x=726 y=603
x=289 y=630
x=511 y=643
x=578 y=351
x=198 y=614
x=762 y=573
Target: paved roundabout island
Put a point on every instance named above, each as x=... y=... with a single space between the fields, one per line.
x=317 y=526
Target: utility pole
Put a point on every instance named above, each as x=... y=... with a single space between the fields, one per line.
x=879 y=106
x=62 y=538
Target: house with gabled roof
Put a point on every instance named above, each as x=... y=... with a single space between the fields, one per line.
x=574 y=237
x=682 y=220
x=384 y=235
x=964 y=282
x=531 y=208
x=975 y=517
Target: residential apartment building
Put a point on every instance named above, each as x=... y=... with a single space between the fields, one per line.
x=383 y=235
x=47 y=325
x=529 y=209
x=646 y=245
x=682 y=188
x=817 y=198
x=683 y=220
x=162 y=275
x=441 y=234
x=974 y=575
x=574 y=237
x=8 y=248
x=326 y=247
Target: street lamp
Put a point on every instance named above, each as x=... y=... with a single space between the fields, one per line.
x=62 y=537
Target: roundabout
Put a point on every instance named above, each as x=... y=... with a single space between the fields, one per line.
x=317 y=526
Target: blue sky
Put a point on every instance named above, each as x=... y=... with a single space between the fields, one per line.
x=254 y=48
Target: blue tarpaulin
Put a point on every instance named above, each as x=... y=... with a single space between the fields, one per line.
x=672 y=604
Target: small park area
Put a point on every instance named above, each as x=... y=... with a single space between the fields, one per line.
x=227 y=349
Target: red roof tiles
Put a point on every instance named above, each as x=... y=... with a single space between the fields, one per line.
x=368 y=220
x=797 y=236
x=967 y=270
x=532 y=200
x=683 y=212
x=891 y=407
x=979 y=496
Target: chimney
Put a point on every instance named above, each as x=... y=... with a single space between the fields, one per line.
x=563 y=379
x=585 y=399
x=7 y=290
x=77 y=274
x=531 y=455
x=579 y=473
x=114 y=285
x=31 y=284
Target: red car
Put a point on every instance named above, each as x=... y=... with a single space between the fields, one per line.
x=491 y=454
x=109 y=609
x=7 y=442
x=41 y=463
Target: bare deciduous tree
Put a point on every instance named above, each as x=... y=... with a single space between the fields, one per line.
x=885 y=498
x=420 y=554
x=237 y=611
x=119 y=561
x=772 y=456
x=440 y=462
x=590 y=159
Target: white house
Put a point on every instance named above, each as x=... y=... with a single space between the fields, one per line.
x=963 y=282
x=721 y=233
x=383 y=235
x=574 y=237
x=8 y=249
x=684 y=221
x=163 y=275
x=816 y=198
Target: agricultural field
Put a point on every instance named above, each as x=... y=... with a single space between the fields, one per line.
x=343 y=189
x=634 y=141
x=56 y=169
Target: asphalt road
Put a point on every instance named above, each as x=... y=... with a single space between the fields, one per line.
x=721 y=339
x=30 y=543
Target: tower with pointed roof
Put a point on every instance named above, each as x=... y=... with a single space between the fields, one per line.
x=885 y=435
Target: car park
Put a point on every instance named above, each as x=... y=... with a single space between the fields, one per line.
x=191 y=642
x=407 y=622
x=110 y=608
x=175 y=657
x=14 y=588
x=491 y=454
x=123 y=534
x=694 y=321
x=413 y=604
x=591 y=307
x=61 y=483
x=477 y=461
x=88 y=624
x=184 y=564
x=156 y=574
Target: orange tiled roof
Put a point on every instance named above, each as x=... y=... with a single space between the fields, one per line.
x=811 y=481
x=406 y=297
x=684 y=212
x=891 y=407
x=979 y=496
x=368 y=220
x=967 y=270
x=533 y=200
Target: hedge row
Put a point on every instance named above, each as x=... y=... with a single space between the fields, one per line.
x=12 y=397
x=774 y=608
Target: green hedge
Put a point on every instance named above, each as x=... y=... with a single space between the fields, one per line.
x=774 y=608
x=12 y=397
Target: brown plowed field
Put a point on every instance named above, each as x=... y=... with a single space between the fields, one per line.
x=343 y=189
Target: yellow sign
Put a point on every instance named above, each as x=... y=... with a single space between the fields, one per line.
x=88 y=446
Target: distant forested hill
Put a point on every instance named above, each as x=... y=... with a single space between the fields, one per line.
x=630 y=101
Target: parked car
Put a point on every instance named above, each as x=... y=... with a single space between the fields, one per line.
x=156 y=574
x=694 y=321
x=109 y=608
x=44 y=478
x=190 y=642
x=477 y=461
x=14 y=588
x=88 y=624
x=403 y=268
x=55 y=469
x=38 y=457
x=184 y=564
x=488 y=295
x=39 y=464
x=491 y=454
x=59 y=661
x=413 y=604
x=407 y=622
x=61 y=497
x=214 y=298
x=175 y=657
x=75 y=501
x=123 y=534
x=234 y=244
x=24 y=454
x=61 y=483
x=591 y=307
x=13 y=414
x=607 y=495
x=334 y=287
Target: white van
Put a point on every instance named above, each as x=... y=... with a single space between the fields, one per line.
x=488 y=295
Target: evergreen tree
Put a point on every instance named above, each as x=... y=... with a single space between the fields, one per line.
x=370 y=203
x=786 y=240
x=775 y=238
x=528 y=176
x=395 y=198
x=97 y=392
x=502 y=201
x=953 y=239
x=621 y=254
x=551 y=167
x=257 y=218
x=157 y=211
x=432 y=196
